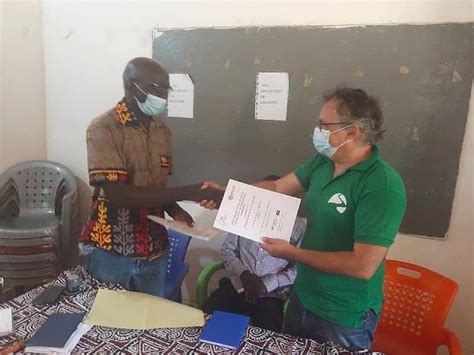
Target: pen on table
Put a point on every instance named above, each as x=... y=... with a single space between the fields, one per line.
x=1 y=289
x=13 y=346
x=80 y=306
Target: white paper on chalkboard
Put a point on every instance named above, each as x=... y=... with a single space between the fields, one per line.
x=181 y=96
x=271 y=96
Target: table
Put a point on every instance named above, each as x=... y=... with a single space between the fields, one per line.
x=27 y=318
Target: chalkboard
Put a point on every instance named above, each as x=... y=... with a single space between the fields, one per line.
x=421 y=73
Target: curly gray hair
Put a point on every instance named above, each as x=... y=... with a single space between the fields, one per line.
x=356 y=106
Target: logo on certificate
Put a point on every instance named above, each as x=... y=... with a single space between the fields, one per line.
x=231 y=195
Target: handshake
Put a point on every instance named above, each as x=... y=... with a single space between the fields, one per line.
x=208 y=194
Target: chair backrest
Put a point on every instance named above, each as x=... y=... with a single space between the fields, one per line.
x=38 y=183
x=417 y=300
x=178 y=246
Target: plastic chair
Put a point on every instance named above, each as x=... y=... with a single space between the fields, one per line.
x=44 y=196
x=417 y=301
x=177 y=267
x=203 y=281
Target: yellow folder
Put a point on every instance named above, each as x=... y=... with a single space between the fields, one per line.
x=135 y=310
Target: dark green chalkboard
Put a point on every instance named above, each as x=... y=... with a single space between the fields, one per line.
x=421 y=73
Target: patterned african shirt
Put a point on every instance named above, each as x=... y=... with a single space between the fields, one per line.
x=119 y=150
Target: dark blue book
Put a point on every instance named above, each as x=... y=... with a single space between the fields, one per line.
x=56 y=330
x=225 y=329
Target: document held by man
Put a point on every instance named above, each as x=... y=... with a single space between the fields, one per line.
x=252 y=212
x=197 y=231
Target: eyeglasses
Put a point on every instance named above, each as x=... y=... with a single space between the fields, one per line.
x=321 y=125
x=154 y=89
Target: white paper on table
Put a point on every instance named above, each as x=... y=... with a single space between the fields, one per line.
x=197 y=231
x=6 y=323
x=76 y=336
x=181 y=96
x=253 y=212
x=271 y=96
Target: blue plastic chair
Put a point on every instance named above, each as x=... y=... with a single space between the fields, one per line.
x=177 y=267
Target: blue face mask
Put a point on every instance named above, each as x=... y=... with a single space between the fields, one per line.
x=153 y=105
x=321 y=141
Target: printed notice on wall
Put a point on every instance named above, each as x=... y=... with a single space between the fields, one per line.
x=181 y=96
x=271 y=96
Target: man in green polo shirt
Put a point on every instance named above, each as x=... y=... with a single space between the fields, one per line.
x=355 y=202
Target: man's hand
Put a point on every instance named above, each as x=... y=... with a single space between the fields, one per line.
x=178 y=214
x=279 y=248
x=253 y=286
x=209 y=203
x=197 y=194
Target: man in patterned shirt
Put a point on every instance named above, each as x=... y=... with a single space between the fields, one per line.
x=266 y=280
x=129 y=159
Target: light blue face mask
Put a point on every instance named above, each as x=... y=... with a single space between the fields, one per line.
x=153 y=105
x=321 y=141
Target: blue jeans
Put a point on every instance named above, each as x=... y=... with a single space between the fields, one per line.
x=133 y=274
x=302 y=323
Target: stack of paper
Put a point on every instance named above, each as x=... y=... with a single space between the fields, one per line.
x=59 y=334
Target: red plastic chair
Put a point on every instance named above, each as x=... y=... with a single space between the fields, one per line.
x=417 y=301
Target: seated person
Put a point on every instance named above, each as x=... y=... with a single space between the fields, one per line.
x=266 y=280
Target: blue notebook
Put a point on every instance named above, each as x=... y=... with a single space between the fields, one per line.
x=56 y=330
x=225 y=329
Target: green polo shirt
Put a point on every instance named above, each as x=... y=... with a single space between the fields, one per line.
x=364 y=205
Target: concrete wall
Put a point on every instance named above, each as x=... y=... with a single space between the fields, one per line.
x=23 y=116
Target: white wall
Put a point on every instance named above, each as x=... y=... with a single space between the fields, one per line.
x=86 y=45
x=23 y=119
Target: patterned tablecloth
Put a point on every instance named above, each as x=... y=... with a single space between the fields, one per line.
x=27 y=318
